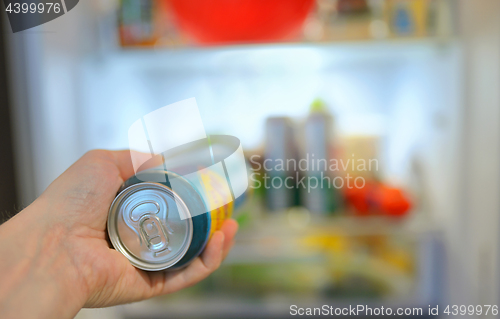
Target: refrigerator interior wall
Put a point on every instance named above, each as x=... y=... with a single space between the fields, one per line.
x=475 y=228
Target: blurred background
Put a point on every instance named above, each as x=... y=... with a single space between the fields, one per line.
x=412 y=85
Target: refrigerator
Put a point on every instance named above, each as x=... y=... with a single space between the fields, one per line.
x=426 y=107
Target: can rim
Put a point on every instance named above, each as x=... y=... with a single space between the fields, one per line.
x=119 y=246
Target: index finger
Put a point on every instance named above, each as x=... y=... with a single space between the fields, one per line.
x=123 y=160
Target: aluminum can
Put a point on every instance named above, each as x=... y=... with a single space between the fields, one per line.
x=157 y=226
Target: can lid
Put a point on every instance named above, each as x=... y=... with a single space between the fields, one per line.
x=145 y=225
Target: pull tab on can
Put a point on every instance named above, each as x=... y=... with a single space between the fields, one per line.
x=144 y=217
x=153 y=234
x=141 y=225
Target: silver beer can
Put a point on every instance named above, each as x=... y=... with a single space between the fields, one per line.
x=163 y=219
x=145 y=225
x=157 y=227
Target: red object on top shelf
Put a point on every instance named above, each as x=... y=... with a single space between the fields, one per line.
x=240 y=21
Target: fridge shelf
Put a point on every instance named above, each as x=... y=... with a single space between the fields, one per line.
x=304 y=56
x=301 y=221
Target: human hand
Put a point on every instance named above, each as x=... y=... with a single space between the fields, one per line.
x=55 y=256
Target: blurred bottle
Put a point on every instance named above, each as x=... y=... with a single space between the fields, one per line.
x=279 y=166
x=137 y=26
x=319 y=195
x=410 y=18
x=352 y=6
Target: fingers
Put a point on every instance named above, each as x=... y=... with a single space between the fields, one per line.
x=229 y=228
x=212 y=255
x=124 y=159
x=199 y=269
x=215 y=252
x=217 y=248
